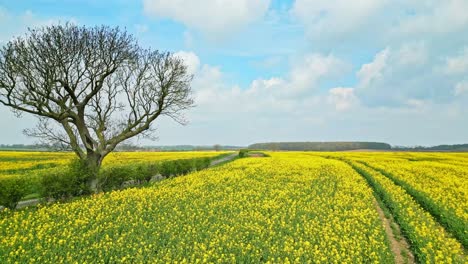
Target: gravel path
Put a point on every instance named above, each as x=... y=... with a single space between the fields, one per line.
x=224 y=159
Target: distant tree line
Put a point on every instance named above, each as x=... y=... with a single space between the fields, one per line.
x=340 y=146
x=26 y=146
x=121 y=147
x=215 y=147
x=456 y=147
x=320 y=146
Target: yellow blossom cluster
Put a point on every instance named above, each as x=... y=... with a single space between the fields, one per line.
x=19 y=162
x=32 y=163
x=446 y=184
x=437 y=181
x=288 y=208
x=431 y=243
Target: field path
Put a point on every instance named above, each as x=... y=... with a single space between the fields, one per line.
x=452 y=227
x=224 y=159
x=398 y=243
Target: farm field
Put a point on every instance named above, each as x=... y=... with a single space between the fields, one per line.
x=292 y=207
x=303 y=144
x=30 y=163
x=26 y=175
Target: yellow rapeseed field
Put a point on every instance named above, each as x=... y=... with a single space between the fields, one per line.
x=30 y=163
x=445 y=184
x=292 y=207
x=438 y=181
x=288 y=208
x=431 y=243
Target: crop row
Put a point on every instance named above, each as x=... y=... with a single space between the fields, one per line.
x=429 y=240
x=17 y=162
x=441 y=189
x=437 y=181
x=62 y=182
x=280 y=209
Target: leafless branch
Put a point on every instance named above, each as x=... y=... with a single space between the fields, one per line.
x=97 y=84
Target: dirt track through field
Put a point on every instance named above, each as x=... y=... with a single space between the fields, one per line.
x=224 y=159
x=398 y=244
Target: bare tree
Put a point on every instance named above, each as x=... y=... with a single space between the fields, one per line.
x=92 y=88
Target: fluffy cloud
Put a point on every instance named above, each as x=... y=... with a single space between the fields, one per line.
x=371 y=23
x=408 y=74
x=408 y=56
x=434 y=17
x=413 y=53
x=306 y=72
x=262 y=112
x=334 y=16
x=209 y=16
x=457 y=64
x=190 y=59
x=294 y=94
x=461 y=88
x=373 y=70
x=405 y=72
x=342 y=98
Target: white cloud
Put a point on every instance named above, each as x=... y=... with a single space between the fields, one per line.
x=414 y=53
x=416 y=103
x=267 y=86
x=190 y=59
x=457 y=64
x=334 y=16
x=461 y=88
x=342 y=98
x=272 y=94
x=373 y=70
x=209 y=85
x=292 y=95
x=403 y=76
x=263 y=106
x=434 y=17
x=306 y=72
x=210 y=16
x=409 y=55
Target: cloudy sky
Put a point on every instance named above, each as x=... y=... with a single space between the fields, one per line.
x=306 y=70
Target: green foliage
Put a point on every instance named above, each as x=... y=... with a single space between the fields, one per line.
x=62 y=183
x=444 y=216
x=65 y=183
x=408 y=212
x=12 y=190
x=202 y=163
x=320 y=146
x=144 y=172
x=180 y=167
x=251 y=153
x=114 y=177
x=243 y=153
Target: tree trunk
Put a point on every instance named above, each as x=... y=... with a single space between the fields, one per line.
x=93 y=164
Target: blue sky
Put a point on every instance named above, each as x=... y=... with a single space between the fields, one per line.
x=300 y=70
